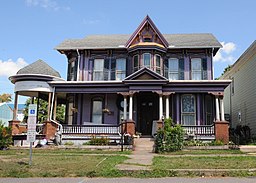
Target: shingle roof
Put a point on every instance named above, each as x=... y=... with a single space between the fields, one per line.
x=39 y=67
x=203 y=40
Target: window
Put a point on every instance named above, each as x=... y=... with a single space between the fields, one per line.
x=175 y=69
x=146 y=59
x=158 y=64
x=233 y=86
x=188 y=110
x=120 y=69
x=98 y=70
x=97 y=112
x=198 y=69
x=136 y=62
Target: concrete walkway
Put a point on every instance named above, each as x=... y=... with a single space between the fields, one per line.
x=142 y=156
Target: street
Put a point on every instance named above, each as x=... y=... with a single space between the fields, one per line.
x=129 y=180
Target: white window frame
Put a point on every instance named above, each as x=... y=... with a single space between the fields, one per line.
x=173 y=74
x=98 y=70
x=188 y=113
x=121 y=73
x=197 y=72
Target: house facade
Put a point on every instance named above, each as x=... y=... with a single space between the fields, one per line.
x=240 y=101
x=141 y=79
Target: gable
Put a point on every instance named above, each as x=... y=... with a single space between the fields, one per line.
x=146 y=34
x=145 y=74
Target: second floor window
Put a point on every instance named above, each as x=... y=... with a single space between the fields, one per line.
x=98 y=74
x=147 y=60
x=158 y=64
x=198 y=69
x=175 y=69
x=136 y=63
x=120 y=69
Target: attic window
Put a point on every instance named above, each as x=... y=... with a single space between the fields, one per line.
x=147 y=39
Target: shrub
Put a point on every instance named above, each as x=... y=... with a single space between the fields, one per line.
x=170 y=138
x=98 y=141
x=5 y=136
x=69 y=143
x=216 y=143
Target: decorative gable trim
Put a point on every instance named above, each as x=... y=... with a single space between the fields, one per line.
x=146 y=20
x=145 y=74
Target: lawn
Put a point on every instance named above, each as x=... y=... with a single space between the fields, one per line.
x=204 y=162
x=205 y=152
x=59 y=163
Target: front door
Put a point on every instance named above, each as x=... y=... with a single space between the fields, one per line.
x=148 y=111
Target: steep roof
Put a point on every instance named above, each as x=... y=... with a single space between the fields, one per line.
x=200 y=40
x=39 y=67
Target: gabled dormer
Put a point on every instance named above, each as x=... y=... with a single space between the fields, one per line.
x=146 y=36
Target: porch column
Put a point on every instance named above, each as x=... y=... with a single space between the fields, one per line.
x=222 y=110
x=125 y=108
x=217 y=109
x=160 y=106
x=49 y=106
x=15 y=109
x=167 y=106
x=55 y=108
x=130 y=107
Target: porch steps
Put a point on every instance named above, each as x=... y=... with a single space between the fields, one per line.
x=144 y=144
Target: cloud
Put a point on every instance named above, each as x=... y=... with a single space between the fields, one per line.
x=46 y=4
x=225 y=53
x=10 y=67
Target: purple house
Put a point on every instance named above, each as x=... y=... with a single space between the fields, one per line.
x=139 y=79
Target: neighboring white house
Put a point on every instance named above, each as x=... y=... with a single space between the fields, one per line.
x=6 y=112
x=240 y=95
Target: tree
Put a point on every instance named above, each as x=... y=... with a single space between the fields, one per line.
x=5 y=97
x=43 y=111
x=225 y=70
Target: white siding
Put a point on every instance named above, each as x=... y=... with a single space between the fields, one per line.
x=244 y=98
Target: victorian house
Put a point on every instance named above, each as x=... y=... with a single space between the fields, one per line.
x=137 y=79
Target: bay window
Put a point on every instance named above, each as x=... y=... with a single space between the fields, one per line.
x=147 y=60
x=158 y=64
x=136 y=63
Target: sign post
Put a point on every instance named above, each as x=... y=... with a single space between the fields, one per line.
x=31 y=133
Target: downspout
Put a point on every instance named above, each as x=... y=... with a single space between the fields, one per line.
x=78 y=59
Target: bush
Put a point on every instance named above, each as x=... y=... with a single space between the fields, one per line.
x=5 y=136
x=170 y=138
x=98 y=141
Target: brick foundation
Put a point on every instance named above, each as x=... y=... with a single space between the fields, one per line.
x=14 y=124
x=130 y=127
x=222 y=131
x=49 y=129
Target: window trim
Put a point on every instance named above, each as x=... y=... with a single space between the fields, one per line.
x=195 y=109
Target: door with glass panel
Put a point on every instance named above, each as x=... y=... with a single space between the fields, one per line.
x=188 y=110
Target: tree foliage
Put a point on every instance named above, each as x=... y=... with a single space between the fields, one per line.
x=5 y=136
x=5 y=97
x=43 y=111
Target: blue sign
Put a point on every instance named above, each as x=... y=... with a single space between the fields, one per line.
x=32 y=111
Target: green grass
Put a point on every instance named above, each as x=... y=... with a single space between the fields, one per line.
x=205 y=152
x=204 y=162
x=58 y=163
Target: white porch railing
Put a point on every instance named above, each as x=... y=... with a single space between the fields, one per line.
x=91 y=129
x=203 y=130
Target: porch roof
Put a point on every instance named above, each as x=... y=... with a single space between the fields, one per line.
x=179 y=86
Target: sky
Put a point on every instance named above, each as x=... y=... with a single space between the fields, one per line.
x=30 y=29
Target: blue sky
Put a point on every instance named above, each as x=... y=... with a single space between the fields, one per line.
x=30 y=29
